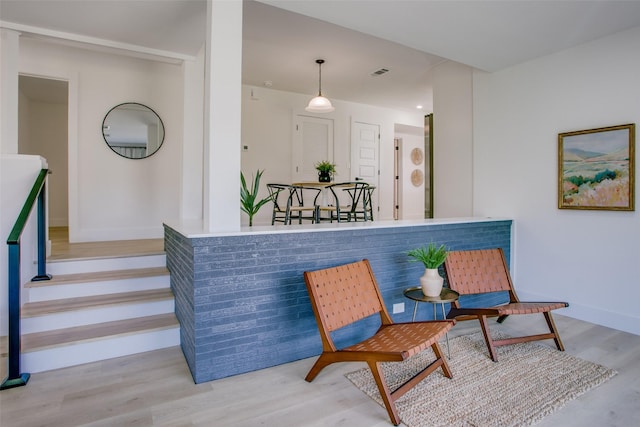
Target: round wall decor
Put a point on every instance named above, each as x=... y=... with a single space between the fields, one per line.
x=417 y=156
x=417 y=177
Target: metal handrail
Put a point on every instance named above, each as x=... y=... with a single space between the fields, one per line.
x=15 y=378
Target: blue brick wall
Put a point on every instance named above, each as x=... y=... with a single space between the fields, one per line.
x=243 y=305
x=180 y=264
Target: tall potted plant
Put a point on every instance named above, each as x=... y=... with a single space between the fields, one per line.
x=249 y=202
x=431 y=257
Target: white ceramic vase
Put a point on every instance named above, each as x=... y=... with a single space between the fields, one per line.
x=431 y=282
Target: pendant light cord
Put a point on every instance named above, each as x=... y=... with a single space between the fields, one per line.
x=320 y=62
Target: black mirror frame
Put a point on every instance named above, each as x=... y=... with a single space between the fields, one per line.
x=148 y=108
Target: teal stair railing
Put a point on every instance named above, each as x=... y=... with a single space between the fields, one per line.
x=16 y=378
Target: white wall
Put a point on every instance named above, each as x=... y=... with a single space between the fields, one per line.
x=193 y=140
x=267 y=129
x=9 y=51
x=113 y=198
x=17 y=176
x=452 y=140
x=411 y=200
x=588 y=258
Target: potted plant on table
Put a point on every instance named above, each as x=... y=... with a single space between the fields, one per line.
x=326 y=169
x=431 y=257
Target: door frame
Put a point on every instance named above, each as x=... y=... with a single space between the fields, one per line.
x=428 y=148
x=71 y=78
x=352 y=175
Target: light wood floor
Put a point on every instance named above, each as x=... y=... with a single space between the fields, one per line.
x=61 y=249
x=156 y=389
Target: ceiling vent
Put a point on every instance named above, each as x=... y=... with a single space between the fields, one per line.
x=379 y=72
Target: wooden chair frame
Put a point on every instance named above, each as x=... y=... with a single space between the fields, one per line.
x=368 y=202
x=294 y=208
x=346 y=294
x=348 y=202
x=484 y=271
x=298 y=207
x=361 y=209
x=279 y=213
x=337 y=208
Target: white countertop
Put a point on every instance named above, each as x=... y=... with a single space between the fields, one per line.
x=195 y=229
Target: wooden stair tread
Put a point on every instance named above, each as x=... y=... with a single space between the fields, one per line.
x=89 y=273
x=100 y=276
x=62 y=250
x=59 y=337
x=39 y=308
x=54 y=258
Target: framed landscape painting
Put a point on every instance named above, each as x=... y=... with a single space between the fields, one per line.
x=596 y=168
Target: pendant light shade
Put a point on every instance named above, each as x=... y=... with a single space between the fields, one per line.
x=320 y=104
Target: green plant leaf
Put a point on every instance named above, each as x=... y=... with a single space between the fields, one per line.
x=431 y=256
x=249 y=202
x=326 y=166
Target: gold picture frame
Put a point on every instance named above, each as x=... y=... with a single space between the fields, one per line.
x=596 y=169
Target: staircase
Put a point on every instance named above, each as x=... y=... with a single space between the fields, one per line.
x=96 y=309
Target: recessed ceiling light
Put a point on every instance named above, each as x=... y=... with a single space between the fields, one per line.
x=419 y=107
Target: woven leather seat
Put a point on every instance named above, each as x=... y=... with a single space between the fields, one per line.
x=484 y=271
x=346 y=294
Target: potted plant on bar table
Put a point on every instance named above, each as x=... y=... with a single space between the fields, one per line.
x=431 y=257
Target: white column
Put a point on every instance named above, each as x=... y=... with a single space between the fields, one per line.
x=222 y=110
x=452 y=140
x=193 y=134
x=9 y=58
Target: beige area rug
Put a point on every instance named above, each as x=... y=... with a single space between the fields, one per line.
x=529 y=381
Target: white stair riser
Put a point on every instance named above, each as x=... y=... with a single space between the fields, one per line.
x=105 y=264
x=95 y=315
x=101 y=349
x=48 y=293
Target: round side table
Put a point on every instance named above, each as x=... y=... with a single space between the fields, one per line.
x=446 y=296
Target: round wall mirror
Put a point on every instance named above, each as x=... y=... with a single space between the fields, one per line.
x=133 y=130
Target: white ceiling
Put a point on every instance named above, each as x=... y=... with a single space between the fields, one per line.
x=489 y=35
x=281 y=47
x=355 y=37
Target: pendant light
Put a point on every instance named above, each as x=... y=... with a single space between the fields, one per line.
x=320 y=104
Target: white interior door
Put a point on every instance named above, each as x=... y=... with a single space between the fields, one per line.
x=365 y=149
x=312 y=143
